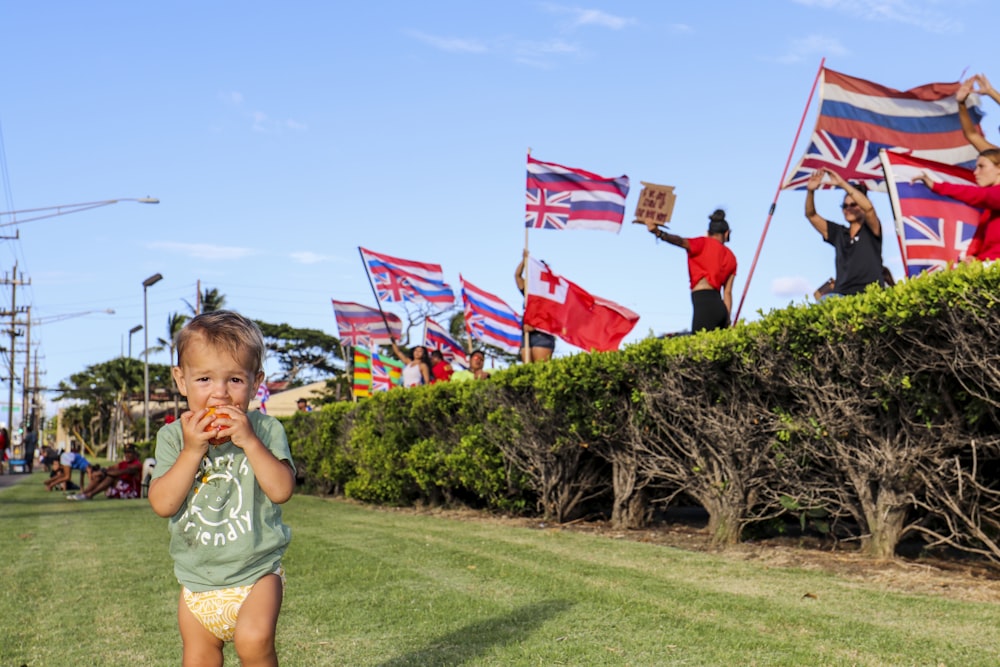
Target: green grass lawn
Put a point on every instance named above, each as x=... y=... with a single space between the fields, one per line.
x=90 y=583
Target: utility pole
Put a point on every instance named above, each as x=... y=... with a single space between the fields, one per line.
x=14 y=281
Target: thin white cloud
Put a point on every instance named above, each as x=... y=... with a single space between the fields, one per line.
x=450 y=44
x=203 y=250
x=308 y=257
x=680 y=28
x=928 y=15
x=580 y=17
x=260 y=121
x=600 y=19
x=791 y=286
x=807 y=48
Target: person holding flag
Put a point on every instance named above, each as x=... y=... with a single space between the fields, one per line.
x=541 y=344
x=711 y=268
x=985 y=244
x=858 y=246
x=417 y=369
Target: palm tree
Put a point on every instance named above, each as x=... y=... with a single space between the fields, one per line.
x=208 y=300
x=175 y=322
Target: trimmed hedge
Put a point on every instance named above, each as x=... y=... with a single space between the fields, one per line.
x=870 y=418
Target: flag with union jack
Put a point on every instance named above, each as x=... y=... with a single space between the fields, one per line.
x=488 y=319
x=364 y=326
x=263 y=395
x=561 y=197
x=858 y=118
x=935 y=230
x=386 y=373
x=405 y=280
x=436 y=337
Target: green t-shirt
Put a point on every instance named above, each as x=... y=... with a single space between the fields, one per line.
x=228 y=532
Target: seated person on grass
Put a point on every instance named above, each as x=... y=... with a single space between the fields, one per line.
x=121 y=480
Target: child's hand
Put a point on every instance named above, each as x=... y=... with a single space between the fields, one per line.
x=233 y=424
x=193 y=426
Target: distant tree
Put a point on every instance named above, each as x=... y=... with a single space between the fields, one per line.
x=98 y=388
x=304 y=355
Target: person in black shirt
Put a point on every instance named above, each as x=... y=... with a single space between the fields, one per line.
x=858 y=245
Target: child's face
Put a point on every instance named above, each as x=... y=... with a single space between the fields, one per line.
x=209 y=376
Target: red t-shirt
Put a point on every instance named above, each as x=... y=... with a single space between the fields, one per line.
x=131 y=479
x=711 y=260
x=441 y=372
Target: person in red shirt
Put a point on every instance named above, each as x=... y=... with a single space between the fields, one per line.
x=117 y=481
x=712 y=268
x=985 y=243
x=441 y=370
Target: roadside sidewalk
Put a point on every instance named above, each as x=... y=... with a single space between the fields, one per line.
x=13 y=478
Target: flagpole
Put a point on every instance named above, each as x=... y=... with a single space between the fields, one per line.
x=525 y=351
x=890 y=182
x=378 y=303
x=774 y=202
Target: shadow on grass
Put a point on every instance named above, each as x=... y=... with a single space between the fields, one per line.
x=70 y=507
x=470 y=641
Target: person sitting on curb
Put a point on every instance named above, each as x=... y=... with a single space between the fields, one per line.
x=118 y=481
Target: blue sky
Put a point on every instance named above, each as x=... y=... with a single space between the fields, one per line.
x=281 y=136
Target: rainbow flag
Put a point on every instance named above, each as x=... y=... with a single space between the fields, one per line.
x=374 y=372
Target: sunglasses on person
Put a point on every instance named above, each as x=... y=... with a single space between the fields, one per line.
x=846 y=206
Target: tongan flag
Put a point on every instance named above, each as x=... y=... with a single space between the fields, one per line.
x=565 y=198
x=405 y=280
x=858 y=118
x=364 y=326
x=488 y=319
x=566 y=310
x=935 y=230
x=436 y=337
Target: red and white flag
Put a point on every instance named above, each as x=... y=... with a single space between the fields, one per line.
x=564 y=309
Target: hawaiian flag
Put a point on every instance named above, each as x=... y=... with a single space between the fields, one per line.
x=364 y=326
x=566 y=310
x=935 y=230
x=436 y=337
x=405 y=280
x=263 y=394
x=858 y=118
x=561 y=197
x=488 y=319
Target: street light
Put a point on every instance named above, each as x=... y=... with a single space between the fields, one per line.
x=146 y=284
x=68 y=208
x=137 y=328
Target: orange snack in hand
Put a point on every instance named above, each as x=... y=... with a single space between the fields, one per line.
x=213 y=441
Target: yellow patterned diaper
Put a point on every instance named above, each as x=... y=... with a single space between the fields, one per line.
x=217 y=610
